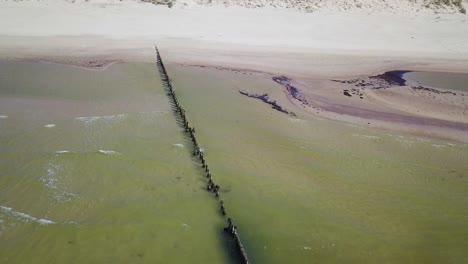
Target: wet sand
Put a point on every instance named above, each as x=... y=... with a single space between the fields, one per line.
x=384 y=101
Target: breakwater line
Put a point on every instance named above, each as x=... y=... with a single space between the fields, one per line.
x=211 y=186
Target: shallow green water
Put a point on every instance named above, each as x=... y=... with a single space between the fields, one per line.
x=111 y=175
x=107 y=173
x=315 y=191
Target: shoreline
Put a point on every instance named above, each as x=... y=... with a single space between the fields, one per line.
x=271 y=43
x=392 y=118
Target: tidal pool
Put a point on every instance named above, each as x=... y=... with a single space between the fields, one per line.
x=94 y=169
x=308 y=190
x=444 y=80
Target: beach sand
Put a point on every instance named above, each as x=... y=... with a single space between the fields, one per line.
x=312 y=49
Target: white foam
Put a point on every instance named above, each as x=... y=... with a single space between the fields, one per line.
x=62 y=151
x=45 y=222
x=438 y=146
x=25 y=217
x=4 y=208
x=295 y=120
x=365 y=136
x=3 y=116
x=88 y=120
x=108 y=152
x=178 y=145
x=422 y=140
x=405 y=142
x=307 y=248
x=49 y=125
x=62 y=196
x=50 y=180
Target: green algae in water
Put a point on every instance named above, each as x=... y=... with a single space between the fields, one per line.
x=114 y=178
x=306 y=190
x=100 y=154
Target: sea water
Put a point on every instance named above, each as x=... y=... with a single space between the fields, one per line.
x=444 y=80
x=91 y=171
x=311 y=190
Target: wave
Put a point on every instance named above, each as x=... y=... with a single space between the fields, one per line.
x=108 y=152
x=25 y=217
x=88 y=120
x=62 y=152
x=178 y=145
x=3 y=116
x=366 y=136
x=102 y=151
x=49 y=125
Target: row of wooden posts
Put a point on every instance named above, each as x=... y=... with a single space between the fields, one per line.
x=198 y=152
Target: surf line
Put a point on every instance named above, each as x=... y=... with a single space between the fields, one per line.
x=211 y=186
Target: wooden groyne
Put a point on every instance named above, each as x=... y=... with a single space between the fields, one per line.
x=211 y=186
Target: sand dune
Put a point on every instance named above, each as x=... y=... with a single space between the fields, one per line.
x=330 y=5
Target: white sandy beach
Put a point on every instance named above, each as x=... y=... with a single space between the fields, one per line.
x=107 y=26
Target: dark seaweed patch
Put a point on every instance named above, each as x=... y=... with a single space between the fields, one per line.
x=286 y=82
x=384 y=80
x=392 y=78
x=264 y=98
x=292 y=90
x=432 y=90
